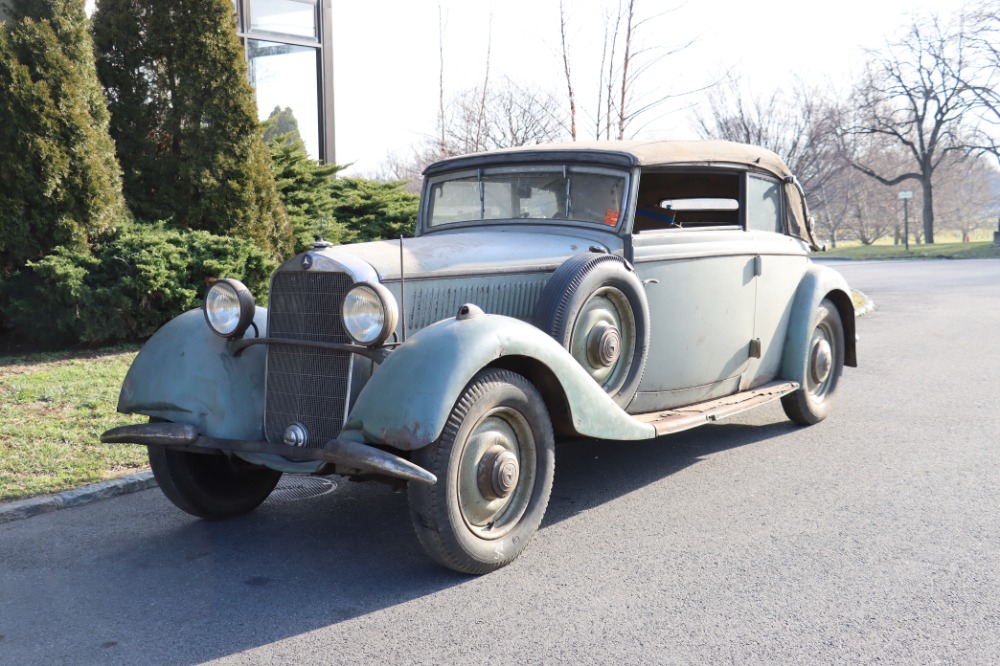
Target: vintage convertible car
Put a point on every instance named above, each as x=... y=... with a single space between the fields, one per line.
x=620 y=291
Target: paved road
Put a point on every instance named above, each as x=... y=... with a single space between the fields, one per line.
x=872 y=537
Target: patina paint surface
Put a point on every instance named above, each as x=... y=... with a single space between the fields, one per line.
x=817 y=283
x=187 y=374
x=407 y=401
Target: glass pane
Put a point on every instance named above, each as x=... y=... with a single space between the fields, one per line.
x=288 y=17
x=537 y=194
x=763 y=205
x=286 y=80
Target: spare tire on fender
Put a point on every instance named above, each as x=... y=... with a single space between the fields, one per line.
x=594 y=305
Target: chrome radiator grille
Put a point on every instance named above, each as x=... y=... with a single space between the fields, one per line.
x=304 y=385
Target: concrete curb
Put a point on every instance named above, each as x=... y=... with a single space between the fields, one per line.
x=77 y=497
x=144 y=480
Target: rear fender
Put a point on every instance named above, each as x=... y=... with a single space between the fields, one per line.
x=819 y=282
x=407 y=401
x=187 y=374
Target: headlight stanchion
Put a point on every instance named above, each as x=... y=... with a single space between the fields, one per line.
x=229 y=308
x=370 y=313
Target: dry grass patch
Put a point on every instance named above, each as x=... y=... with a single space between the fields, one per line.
x=53 y=408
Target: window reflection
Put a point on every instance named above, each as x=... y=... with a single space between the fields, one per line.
x=763 y=205
x=287 y=17
x=286 y=76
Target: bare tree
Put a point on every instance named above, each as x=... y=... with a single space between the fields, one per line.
x=569 y=79
x=913 y=93
x=983 y=77
x=485 y=88
x=966 y=199
x=876 y=209
x=624 y=102
x=443 y=141
x=799 y=127
x=512 y=115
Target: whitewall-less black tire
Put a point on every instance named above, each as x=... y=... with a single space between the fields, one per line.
x=824 y=364
x=211 y=486
x=495 y=462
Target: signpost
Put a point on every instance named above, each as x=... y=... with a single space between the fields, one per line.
x=906 y=195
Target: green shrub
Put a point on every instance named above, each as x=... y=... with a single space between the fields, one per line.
x=375 y=209
x=307 y=189
x=133 y=282
x=59 y=181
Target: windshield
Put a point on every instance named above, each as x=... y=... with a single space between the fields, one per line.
x=591 y=195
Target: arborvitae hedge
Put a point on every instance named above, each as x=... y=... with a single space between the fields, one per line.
x=132 y=283
x=59 y=182
x=307 y=188
x=185 y=120
x=375 y=209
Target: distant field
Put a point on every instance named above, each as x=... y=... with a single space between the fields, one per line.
x=980 y=250
x=53 y=408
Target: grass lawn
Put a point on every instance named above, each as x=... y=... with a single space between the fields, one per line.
x=982 y=250
x=53 y=408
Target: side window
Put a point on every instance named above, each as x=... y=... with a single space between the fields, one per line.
x=764 y=205
x=674 y=199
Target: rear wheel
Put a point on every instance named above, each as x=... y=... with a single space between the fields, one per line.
x=824 y=364
x=211 y=486
x=494 y=462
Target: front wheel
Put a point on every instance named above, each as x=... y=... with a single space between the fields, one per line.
x=824 y=364
x=211 y=486
x=494 y=461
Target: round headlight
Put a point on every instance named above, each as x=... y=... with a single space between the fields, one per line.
x=370 y=314
x=229 y=308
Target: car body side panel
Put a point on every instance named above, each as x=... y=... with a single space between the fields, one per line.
x=407 y=401
x=187 y=374
x=783 y=262
x=701 y=290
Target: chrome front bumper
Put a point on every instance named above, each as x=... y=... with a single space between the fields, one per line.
x=186 y=437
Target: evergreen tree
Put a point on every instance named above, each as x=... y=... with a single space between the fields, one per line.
x=281 y=122
x=376 y=209
x=184 y=118
x=59 y=181
x=307 y=190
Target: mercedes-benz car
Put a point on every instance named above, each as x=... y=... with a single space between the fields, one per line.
x=619 y=291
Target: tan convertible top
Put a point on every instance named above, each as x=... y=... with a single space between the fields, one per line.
x=654 y=154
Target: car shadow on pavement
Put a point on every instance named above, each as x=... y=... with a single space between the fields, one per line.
x=153 y=585
x=592 y=472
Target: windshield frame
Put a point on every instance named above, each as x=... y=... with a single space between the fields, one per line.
x=562 y=169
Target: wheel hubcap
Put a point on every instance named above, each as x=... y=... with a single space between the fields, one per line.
x=604 y=345
x=822 y=361
x=496 y=473
x=604 y=338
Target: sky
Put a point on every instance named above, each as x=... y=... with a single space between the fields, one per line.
x=386 y=55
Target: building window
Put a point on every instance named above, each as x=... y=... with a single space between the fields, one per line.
x=285 y=17
x=290 y=63
x=286 y=76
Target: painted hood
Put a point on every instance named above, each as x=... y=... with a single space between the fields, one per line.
x=472 y=251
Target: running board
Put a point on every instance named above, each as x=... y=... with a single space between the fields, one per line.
x=692 y=416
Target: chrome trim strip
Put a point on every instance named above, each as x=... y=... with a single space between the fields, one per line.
x=377 y=354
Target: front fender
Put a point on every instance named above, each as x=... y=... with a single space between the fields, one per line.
x=407 y=401
x=819 y=282
x=187 y=374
